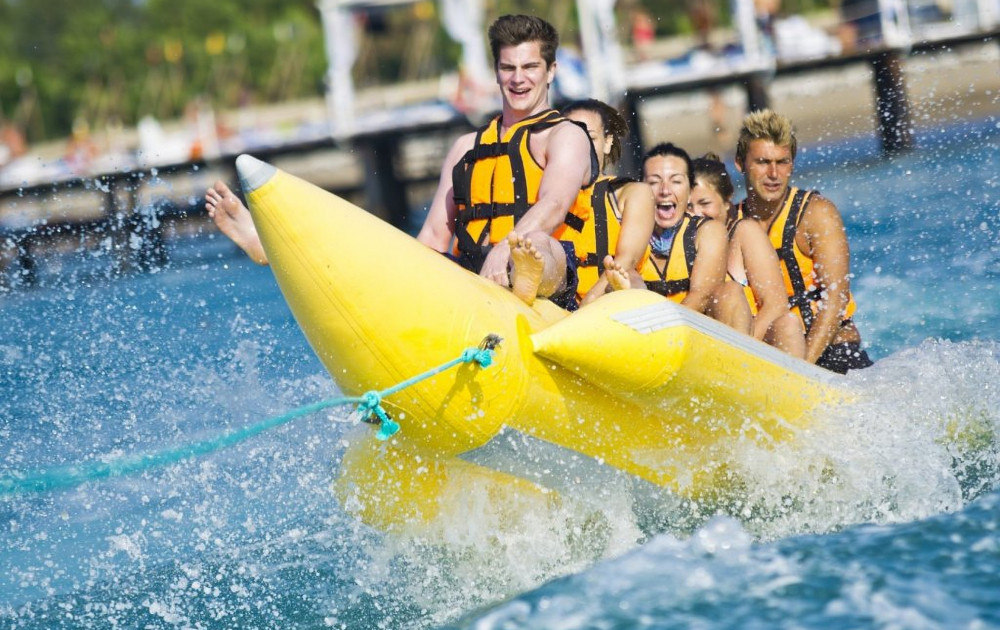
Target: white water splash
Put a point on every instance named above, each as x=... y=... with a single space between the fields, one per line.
x=490 y=544
x=919 y=440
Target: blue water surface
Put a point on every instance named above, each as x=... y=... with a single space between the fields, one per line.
x=886 y=516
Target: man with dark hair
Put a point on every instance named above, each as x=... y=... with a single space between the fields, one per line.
x=503 y=189
x=512 y=30
x=808 y=234
x=507 y=187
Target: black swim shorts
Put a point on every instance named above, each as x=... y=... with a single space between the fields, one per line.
x=566 y=298
x=841 y=357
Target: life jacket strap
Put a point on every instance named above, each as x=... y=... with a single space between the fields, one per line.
x=486 y=211
x=800 y=297
x=669 y=287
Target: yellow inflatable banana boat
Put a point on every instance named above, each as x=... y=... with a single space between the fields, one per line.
x=629 y=386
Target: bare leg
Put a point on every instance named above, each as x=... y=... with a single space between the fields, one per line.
x=234 y=220
x=729 y=306
x=617 y=276
x=787 y=333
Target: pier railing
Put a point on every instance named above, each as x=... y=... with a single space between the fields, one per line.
x=128 y=215
x=894 y=127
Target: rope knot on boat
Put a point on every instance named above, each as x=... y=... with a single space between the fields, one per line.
x=370 y=404
x=483 y=357
x=371 y=410
x=369 y=407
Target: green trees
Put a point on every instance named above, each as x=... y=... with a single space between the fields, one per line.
x=103 y=62
x=110 y=62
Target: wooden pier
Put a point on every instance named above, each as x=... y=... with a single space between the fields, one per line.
x=131 y=215
x=128 y=215
x=894 y=126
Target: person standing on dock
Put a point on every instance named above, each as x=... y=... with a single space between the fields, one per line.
x=808 y=234
x=505 y=188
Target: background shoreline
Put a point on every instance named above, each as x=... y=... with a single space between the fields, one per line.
x=826 y=106
x=838 y=104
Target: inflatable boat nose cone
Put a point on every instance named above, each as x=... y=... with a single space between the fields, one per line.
x=253 y=173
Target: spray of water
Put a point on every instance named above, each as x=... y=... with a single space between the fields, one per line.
x=920 y=438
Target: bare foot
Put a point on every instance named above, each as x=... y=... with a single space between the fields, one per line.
x=616 y=275
x=528 y=265
x=234 y=220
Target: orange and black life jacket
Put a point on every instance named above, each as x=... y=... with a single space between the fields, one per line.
x=675 y=279
x=796 y=266
x=596 y=236
x=496 y=182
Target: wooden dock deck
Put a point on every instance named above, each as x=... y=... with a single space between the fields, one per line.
x=392 y=171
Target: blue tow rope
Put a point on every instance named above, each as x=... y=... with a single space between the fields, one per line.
x=369 y=405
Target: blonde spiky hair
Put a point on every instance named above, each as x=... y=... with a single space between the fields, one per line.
x=765 y=124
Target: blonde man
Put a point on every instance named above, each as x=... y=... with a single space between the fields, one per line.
x=808 y=234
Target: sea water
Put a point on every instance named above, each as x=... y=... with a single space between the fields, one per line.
x=886 y=515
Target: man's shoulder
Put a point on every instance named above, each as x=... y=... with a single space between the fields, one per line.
x=550 y=121
x=566 y=133
x=463 y=143
x=820 y=218
x=565 y=123
x=819 y=206
x=562 y=136
x=708 y=228
x=466 y=139
x=816 y=197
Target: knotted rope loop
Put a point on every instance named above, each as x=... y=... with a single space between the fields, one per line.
x=483 y=357
x=369 y=406
x=371 y=411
